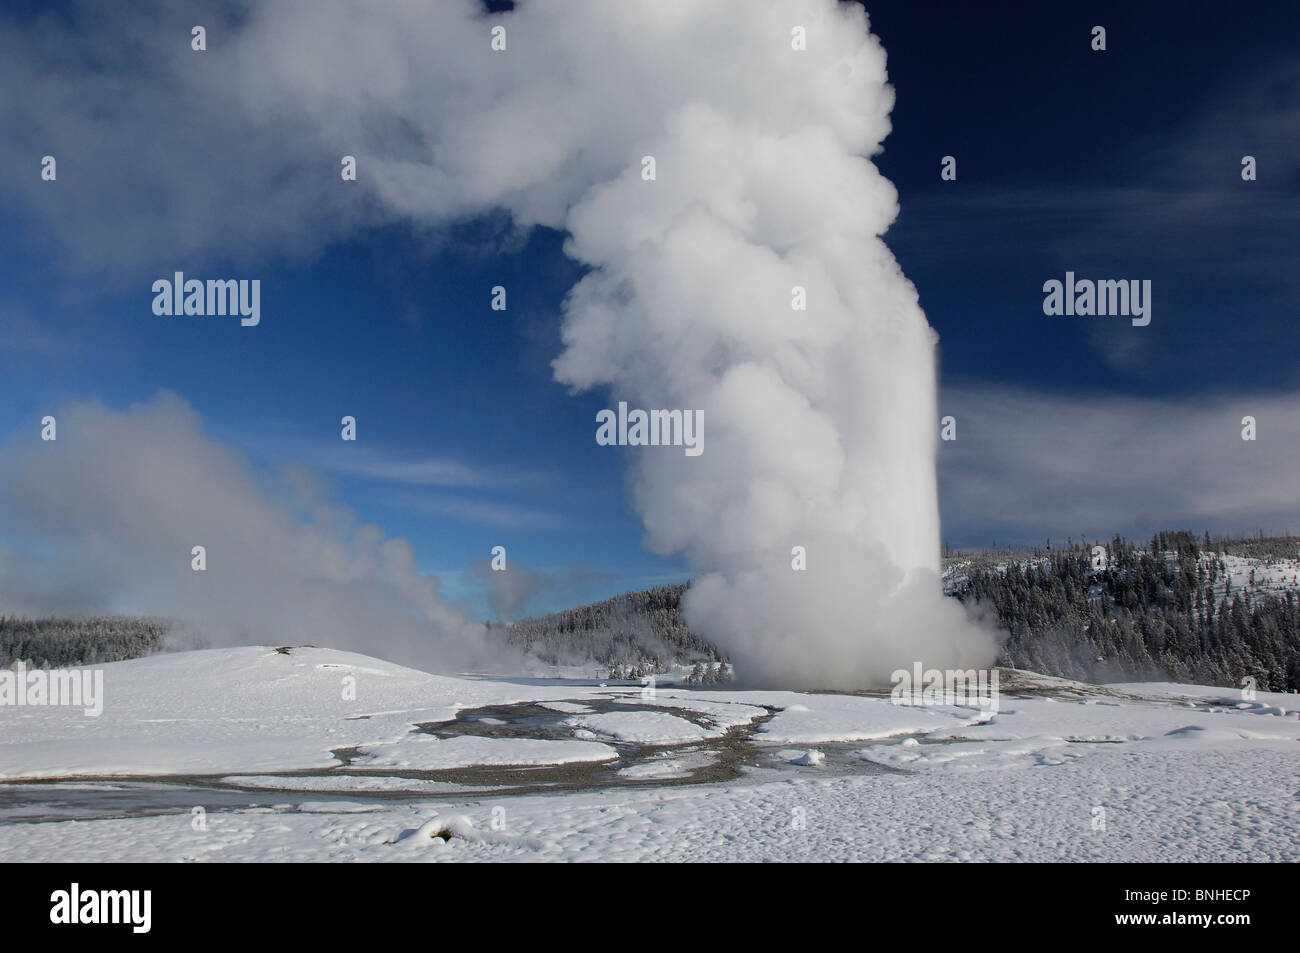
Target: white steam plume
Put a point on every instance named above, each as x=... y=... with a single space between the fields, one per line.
x=820 y=425
x=120 y=499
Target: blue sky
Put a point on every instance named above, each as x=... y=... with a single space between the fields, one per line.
x=1118 y=162
x=1123 y=163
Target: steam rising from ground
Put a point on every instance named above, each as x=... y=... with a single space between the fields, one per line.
x=821 y=424
x=121 y=498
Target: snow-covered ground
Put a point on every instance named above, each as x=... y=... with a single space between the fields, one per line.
x=1276 y=575
x=251 y=754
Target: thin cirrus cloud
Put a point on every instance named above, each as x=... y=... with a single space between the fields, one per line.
x=497 y=514
x=1182 y=180
x=1023 y=460
x=440 y=486
x=1176 y=209
x=389 y=467
x=445 y=485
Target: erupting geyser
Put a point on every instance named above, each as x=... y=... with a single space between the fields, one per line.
x=759 y=119
x=746 y=278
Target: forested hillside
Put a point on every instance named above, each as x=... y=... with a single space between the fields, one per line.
x=1183 y=609
x=632 y=635
x=51 y=643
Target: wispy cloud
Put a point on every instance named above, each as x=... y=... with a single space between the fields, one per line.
x=440 y=486
x=497 y=514
x=1027 y=465
x=1178 y=211
x=392 y=467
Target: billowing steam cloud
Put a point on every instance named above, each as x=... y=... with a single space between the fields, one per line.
x=119 y=501
x=821 y=424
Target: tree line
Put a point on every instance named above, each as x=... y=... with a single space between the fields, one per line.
x=1169 y=612
x=633 y=635
x=83 y=640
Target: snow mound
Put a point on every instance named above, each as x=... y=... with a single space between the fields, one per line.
x=640 y=727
